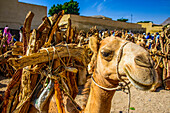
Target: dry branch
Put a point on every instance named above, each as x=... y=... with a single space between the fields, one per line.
x=45 y=23
x=5 y=56
x=26 y=75
x=26 y=31
x=77 y=53
x=54 y=28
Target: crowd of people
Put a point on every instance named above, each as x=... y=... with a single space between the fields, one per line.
x=149 y=41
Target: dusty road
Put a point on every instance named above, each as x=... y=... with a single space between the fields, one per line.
x=142 y=101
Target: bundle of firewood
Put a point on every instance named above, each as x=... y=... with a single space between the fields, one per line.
x=5 y=54
x=48 y=61
x=5 y=68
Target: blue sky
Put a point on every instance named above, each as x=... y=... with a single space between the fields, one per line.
x=141 y=10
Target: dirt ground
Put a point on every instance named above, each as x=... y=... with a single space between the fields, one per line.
x=142 y=101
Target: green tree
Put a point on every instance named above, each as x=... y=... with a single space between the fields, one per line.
x=55 y=9
x=122 y=19
x=71 y=7
x=145 y=22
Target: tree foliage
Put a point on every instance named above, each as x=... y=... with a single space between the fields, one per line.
x=71 y=7
x=122 y=19
x=145 y=22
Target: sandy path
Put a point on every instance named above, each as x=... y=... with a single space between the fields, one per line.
x=142 y=101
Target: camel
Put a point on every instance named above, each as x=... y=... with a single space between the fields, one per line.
x=116 y=60
x=140 y=41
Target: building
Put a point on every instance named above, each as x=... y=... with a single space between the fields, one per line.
x=101 y=17
x=13 y=13
x=151 y=28
x=85 y=23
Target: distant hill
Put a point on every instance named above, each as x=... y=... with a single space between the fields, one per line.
x=167 y=21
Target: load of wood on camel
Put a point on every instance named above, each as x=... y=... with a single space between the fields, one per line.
x=161 y=57
x=5 y=54
x=47 y=67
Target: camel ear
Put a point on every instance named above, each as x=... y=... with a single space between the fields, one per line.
x=93 y=44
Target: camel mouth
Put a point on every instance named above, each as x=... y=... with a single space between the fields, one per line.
x=135 y=83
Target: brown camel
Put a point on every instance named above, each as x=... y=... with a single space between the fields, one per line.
x=141 y=41
x=116 y=60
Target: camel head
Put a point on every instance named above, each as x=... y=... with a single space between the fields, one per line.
x=118 y=58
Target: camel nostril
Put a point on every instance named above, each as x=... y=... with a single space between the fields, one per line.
x=143 y=60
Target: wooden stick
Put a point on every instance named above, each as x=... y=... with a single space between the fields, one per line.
x=58 y=98
x=27 y=83
x=73 y=84
x=77 y=53
x=54 y=28
x=32 y=43
x=26 y=31
x=68 y=31
x=44 y=24
x=11 y=89
x=17 y=43
x=4 y=57
x=164 y=60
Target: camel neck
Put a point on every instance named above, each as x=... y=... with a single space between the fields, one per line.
x=99 y=100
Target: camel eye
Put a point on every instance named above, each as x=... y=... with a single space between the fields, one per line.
x=107 y=55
